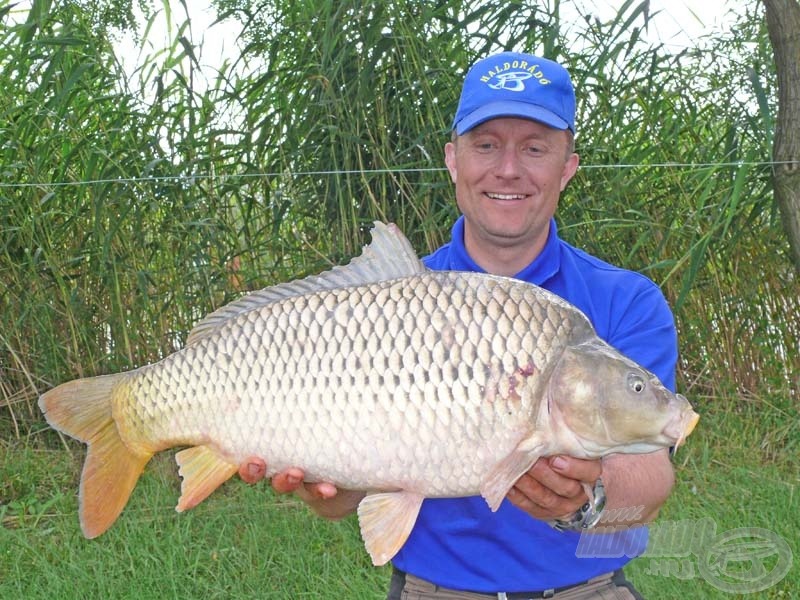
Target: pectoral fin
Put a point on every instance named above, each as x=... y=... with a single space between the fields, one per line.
x=203 y=470
x=386 y=521
x=505 y=473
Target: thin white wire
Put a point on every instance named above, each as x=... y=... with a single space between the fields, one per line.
x=192 y=178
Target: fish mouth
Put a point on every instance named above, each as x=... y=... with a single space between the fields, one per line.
x=680 y=428
x=693 y=419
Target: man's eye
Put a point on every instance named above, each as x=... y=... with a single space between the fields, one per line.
x=484 y=147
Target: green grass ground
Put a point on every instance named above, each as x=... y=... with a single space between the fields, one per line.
x=246 y=542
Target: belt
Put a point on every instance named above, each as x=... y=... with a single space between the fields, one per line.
x=549 y=593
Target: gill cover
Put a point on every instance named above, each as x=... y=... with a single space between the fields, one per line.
x=608 y=401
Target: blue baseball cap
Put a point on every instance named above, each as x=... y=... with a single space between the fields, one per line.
x=512 y=84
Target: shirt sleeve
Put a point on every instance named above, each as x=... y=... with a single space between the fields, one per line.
x=644 y=330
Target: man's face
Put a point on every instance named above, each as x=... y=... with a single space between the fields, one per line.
x=508 y=175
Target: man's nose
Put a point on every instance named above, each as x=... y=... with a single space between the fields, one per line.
x=508 y=164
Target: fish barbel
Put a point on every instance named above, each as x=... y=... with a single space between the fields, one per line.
x=379 y=375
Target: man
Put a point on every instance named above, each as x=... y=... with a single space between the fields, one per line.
x=510 y=157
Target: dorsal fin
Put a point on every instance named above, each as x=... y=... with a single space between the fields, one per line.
x=388 y=256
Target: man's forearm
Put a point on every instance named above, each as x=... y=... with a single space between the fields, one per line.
x=637 y=485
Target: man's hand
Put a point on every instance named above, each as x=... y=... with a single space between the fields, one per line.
x=553 y=487
x=323 y=498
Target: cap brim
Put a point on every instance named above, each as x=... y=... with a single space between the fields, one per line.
x=509 y=108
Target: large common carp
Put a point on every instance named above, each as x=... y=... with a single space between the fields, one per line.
x=379 y=375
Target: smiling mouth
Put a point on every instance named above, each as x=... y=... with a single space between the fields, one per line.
x=494 y=196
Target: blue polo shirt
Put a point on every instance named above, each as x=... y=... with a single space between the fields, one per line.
x=458 y=542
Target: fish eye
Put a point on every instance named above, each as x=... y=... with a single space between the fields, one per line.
x=636 y=384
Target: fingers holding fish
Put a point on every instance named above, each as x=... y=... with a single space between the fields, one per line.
x=554 y=488
x=289 y=480
x=577 y=469
x=541 y=503
x=253 y=469
x=322 y=497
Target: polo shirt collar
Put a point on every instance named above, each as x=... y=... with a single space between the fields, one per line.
x=543 y=267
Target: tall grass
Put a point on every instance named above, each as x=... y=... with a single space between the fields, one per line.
x=130 y=207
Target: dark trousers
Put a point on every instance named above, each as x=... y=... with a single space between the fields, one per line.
x=614 y=586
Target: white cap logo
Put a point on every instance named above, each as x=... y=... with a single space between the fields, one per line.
x=511 y=81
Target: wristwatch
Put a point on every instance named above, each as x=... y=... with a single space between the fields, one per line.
x=588 y=515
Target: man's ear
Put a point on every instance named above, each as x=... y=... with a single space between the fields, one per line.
x=450 y=160
x=570 y=168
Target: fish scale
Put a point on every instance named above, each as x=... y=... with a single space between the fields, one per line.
x=379 y=376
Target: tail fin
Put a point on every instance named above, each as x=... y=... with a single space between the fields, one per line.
x=82 y=409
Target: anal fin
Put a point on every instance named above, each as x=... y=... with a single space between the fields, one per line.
x=386 y=520
x=203 y=470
